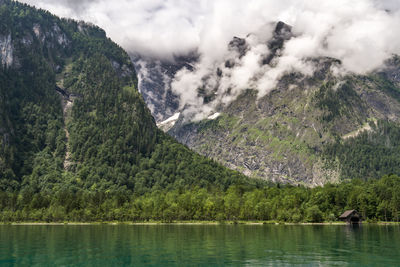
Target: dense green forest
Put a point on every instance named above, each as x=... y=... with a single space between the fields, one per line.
x=375 y=200
x=72 y=117
x=371 y=154
x=77 y=143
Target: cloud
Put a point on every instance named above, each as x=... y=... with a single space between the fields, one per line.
x=388 y=5
x=158 y=28
x=362 y=34
x=64 y=8
x=163 y=28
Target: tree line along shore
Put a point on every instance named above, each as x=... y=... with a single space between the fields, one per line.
x=376 y=200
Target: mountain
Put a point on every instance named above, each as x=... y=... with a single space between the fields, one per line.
x=78 y=144
x=72 y=120
x=308 y=129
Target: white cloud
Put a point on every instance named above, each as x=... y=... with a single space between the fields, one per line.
x=166 y=27
x=362 y=34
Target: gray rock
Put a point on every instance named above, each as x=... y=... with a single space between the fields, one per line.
x=6 y=50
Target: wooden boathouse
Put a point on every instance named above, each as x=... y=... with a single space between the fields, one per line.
x=351 y=217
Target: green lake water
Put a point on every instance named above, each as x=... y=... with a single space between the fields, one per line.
x=199 y=245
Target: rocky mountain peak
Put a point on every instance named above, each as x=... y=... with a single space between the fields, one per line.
x=239 y=45
x=283 y=30
x=282 y=33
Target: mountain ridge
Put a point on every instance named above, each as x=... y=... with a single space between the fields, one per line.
x=73 y=119
x=285 y=136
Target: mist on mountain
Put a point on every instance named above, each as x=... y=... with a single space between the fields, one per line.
x=361 y=34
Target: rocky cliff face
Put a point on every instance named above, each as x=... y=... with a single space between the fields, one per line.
x=155 y=77
x=284 y=135
x=6 y=50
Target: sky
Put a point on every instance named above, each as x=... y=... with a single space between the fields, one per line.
x=361 y=33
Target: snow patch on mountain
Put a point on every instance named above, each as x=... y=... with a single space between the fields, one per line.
x=168 y=123
x=214 y=116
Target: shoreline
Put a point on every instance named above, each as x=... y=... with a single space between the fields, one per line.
x=186 y=223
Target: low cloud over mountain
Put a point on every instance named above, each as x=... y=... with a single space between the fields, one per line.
x=361 y=34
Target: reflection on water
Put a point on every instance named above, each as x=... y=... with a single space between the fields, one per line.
x=207 y=245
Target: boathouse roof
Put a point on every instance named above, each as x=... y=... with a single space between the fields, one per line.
x=347 y=213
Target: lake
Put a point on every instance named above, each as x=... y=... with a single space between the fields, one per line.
x=199 y=245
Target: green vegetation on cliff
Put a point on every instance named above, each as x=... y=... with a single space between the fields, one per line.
x=308 y=130
x=72 y=120
x=372 y=153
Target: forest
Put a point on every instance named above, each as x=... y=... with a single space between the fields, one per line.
x=113 y=143
x=376 y=200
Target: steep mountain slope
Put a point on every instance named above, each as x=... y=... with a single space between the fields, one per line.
x=73 y=120
x=155 y=77
x=309 y=129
